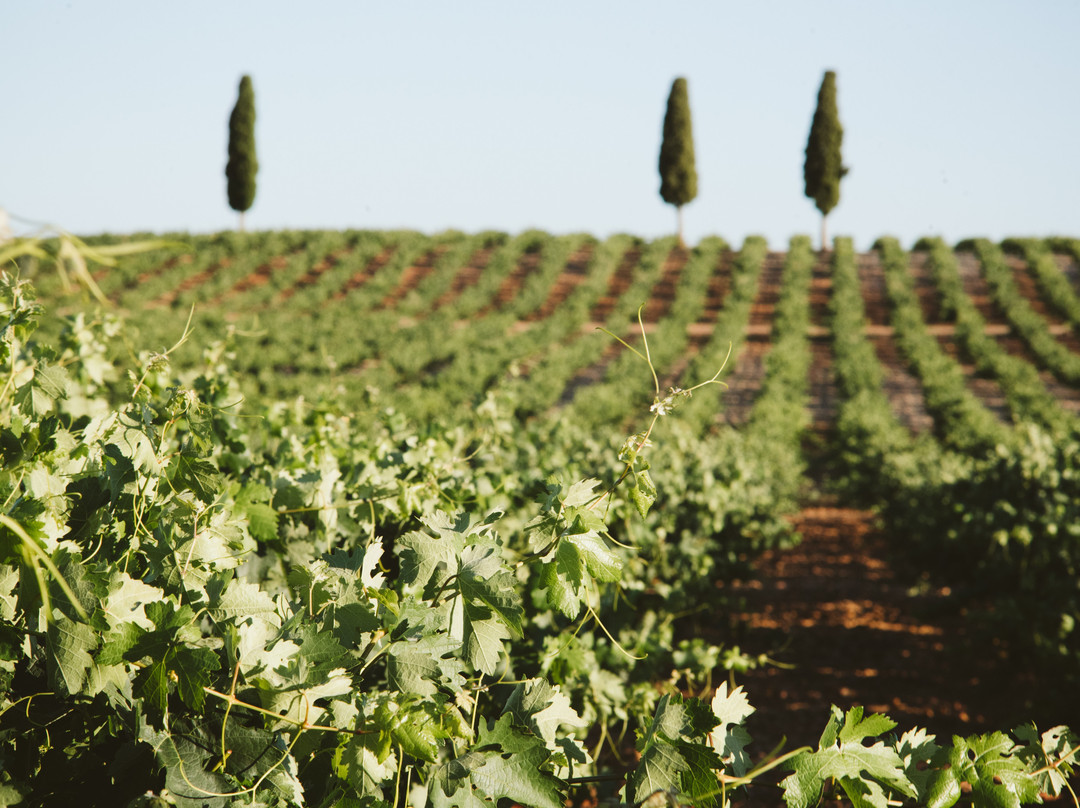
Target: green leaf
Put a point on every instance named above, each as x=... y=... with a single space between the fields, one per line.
x=1055 y=752
x=128 y=437
x=360 y=765
x=242 y=601
x=49 y=384
x=254 y=751
x=483 y=576
x=151 y=684
x=427 y=561
x=580 y=493
x=643 y=492
x=185 y=760
x=196 y=475
x=675 y=757
x=542 y=708
x=420 y=732
x=698 y=782
x=11 y=795
x=600 y=560
x=937 y=788
x=262 y=521
x=194 y=668
x=419 y=667
x=320 y=651
x=484 y=637
x=856 y=728
x=127 y=599
x=660 y=769
x=730 y=738
x=563 y=578
x=369 y=578
x=118 y=643
x=70 y=644
x=997 y=776
x=504 y=763
x=868 y=774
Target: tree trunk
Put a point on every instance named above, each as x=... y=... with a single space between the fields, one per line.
x=678 y=211
x=824 y=241
x=241 y=221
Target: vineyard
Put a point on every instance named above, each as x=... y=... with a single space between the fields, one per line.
x=384 y=519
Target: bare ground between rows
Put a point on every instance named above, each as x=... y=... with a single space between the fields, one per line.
x=849 y=630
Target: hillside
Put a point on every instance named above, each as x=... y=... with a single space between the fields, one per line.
x=913 y=414
x=345 y=285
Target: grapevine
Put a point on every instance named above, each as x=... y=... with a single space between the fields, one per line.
x=318 y=607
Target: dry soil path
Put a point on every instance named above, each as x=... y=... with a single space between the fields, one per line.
x=850 y=629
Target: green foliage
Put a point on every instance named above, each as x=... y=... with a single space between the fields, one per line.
x=996 y=769
x=1055 y=287
x=294 y=603
x=824 y=167
x=1029 y=324
x=1027 y=396
x=242 y=166
x=960 y=421
x=678 y=173
x=242 y=605
x=1004 y=525
x=867 y=774
x=877 y=454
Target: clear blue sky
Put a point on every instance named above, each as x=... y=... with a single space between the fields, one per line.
x=961 y=118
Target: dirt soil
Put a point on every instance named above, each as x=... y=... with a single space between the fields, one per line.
x=849 y=628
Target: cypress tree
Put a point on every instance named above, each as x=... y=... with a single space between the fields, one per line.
x=824 y=166
x=243 y=164
x=678 y=176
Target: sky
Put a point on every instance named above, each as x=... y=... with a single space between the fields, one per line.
x=960 y=117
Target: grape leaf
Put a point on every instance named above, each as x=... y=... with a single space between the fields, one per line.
x=133 y=443
x=187 y=778
x=194 y=669
x=358 y=763
x=937 y=787
x=864 y=772
x=542 y=708
x=418 y=667
x=127 y=600
x=675 y=757
x=262 y=521
x=600 y=560
x=12 y=795
x=195 y=474
x=151 y=684
x=579 y=493
x=642 y=492
x=242 y=600
x=730 y=738
x=419 y=732
x=372 y=555
x=660 y=769
x=172 y=650
x=563 y=577
x=484 y=636
x=1055 y=752
x=505 y=762
x=997 y=776
x=69 y=645
x=483 y=577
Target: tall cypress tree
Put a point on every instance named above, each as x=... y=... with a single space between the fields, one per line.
x=243 y=164
x=678 y=176
x=824 y=166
